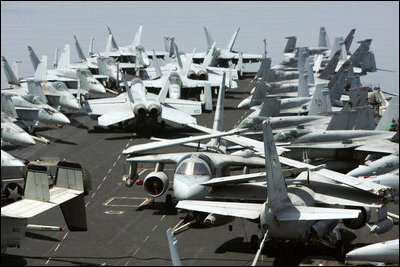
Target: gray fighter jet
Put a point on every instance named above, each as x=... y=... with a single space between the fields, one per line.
x=139 y=105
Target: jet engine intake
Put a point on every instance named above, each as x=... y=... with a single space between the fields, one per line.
x=155 y=184
x=359 y=222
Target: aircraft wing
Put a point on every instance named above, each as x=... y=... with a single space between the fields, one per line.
x=121 y=113
x=161 y=158
x=296 y=213
x=243 y=210
x=235 y=179
x=187 y=106
x=100 y=77
x=383 y=146
x=104 y=105
x=364 y=185
x=177 y=116
x=323 y=145
x=27 y=208
x=332 y=200
x=240 y=140
x=170 y=142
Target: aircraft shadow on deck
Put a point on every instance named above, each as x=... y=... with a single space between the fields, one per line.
x=41 y=237
x=161 y=208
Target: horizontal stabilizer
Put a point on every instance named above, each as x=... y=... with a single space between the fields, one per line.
x=304 y=213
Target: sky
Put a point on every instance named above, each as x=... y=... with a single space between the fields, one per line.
x=47 y=25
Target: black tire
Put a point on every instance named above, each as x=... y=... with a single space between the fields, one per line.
x=168 y=200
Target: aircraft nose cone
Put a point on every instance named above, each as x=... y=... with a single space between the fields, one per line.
x=245 y=103
x=24 y=139
x=61 y=118
x=185 y=191
x=98 y=88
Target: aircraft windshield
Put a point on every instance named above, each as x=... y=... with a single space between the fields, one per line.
x=193 y=168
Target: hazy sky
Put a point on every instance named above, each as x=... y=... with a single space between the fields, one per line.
x=47 y=25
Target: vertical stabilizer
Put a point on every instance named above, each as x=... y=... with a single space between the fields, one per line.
x=37 y=183
x=34 y=88
x=233 y=39
x=114 y=45
x=309 y=70
x=321 y=102
x=71 y=176
x=208 y=105
x=65 y=58
x=270 y=107
x=219 y=111
x=79 y=50
x=277 y=193
x=209 y=58
x=177 y=56
x=329 y=70
x=303 y=54
x=90 y=52
x=363 y=49
x=337 y=45
x=208 y=38
x=7 y=106
x=172 y=242
x=349 y=40
x=264 y=66
x=34 y=58
x=138 y=37
x=290 y=44
x=11 y=78
x=186 y=67
x=41 y=70
x=391 y=113
x=323 y=38
x=156 y=66
x=303 y=85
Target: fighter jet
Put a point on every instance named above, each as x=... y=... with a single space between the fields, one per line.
x=67 y=192
x=137 y=104
x=130 y=52
x=227 y=54
x=12 y=133
x=184 y=75
x=287 y=214
x=54 y=93
x=47 y=114
x=65 y=73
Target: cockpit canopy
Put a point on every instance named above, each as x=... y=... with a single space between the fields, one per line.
x=193 y=168
x=195 y=164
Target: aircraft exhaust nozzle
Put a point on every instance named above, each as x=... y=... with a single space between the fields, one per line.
x=215 y=220
x=140 y=110
x=202 y=75
x=192 y=75
x=154 y=110
x=155 y=184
